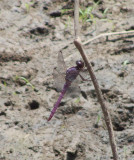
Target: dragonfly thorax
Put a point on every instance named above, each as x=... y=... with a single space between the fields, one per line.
x=72 y=73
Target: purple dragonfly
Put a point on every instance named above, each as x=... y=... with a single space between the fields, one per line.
x=69 y=76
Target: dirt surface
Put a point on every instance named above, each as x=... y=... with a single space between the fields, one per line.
x=31 y=35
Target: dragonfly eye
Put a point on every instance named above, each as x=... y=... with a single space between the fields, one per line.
x=80 y=64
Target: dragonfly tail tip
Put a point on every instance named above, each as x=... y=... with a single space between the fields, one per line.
x=49 y=119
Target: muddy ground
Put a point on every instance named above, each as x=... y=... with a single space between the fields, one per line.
x=31 y=35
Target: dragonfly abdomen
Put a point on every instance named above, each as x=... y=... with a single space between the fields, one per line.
x=66 y=86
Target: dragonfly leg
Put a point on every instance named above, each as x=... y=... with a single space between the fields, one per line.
x=84 y=78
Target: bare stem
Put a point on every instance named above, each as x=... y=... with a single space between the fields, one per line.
x=100 y=98
x=107 y=34
x=76 y=19
x=78 y=45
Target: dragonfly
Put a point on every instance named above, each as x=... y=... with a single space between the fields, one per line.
x=70 y=75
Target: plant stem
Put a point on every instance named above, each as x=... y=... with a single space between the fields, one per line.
x=76 y=20
x=107 y=118
x=106 y=35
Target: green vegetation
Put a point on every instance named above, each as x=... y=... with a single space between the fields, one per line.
x=5 y=84
x=126 y=62
x=28 y=6
x=86 y=14
x=68 y=24
x=125 y=153
x=77 y=100
x=124 y=65
x=98 y=119
x=105 y=12
x=65 y=11
x=25 y=80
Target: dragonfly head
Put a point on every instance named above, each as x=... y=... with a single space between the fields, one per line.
x=80 y=64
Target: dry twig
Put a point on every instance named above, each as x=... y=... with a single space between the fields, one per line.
x=107 y=34
x=78 y=45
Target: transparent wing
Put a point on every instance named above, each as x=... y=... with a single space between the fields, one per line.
x=59 y=80
x=59 y=72
x=84 y=73
x=74 y=89
x=61 y=66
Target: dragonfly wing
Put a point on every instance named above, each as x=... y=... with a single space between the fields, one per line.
x=59 y=73
x=74 y=90
x=84 y=73
x=59 y=80
x=61 y=66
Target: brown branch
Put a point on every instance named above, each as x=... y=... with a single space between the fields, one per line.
x=107 y=118
x=100 y=98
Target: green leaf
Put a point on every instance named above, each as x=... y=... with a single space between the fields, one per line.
x=26 y=80
x=105 y=11
x=126 y=62
x=77 y=100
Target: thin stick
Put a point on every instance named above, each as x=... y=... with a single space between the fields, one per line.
x=107 y=34
x=76 y=22
x=100 y=98
x=107 y=118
